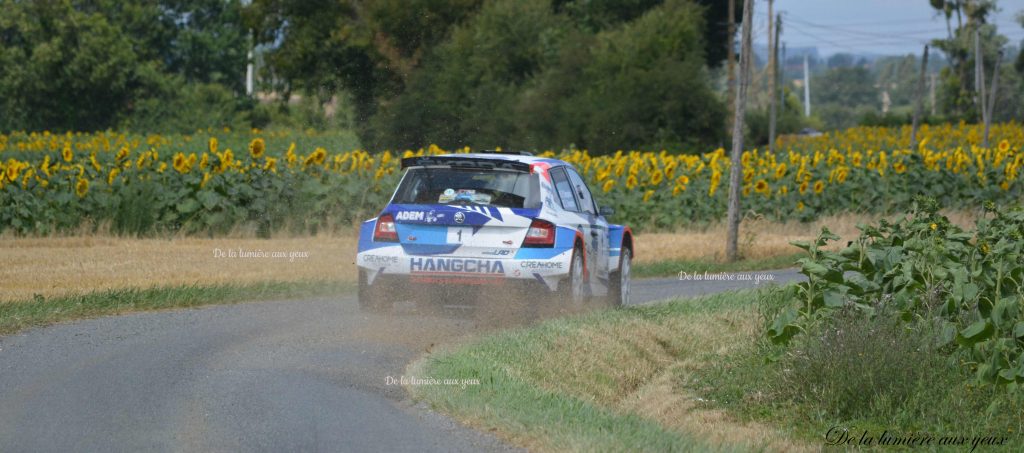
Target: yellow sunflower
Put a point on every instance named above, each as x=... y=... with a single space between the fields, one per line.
x=841 y=174
x=45 y=166
x=67 y=154
x=1004 y=146
x=257 y=147
x=181 y=163
x=608 y=185
x=319 y=156
x=113 y=176
x=290 y=155
x=647 y=195
x=803 y=187
x=631 y=182
x=213 y=145
x=670 y=169
x=680 y=187
x=81 y=187
x=226 y=161
x=716 y=178
x=780 y=171
x=13 y=169
x=657 y=177
x=819 y=186
x=761 y=186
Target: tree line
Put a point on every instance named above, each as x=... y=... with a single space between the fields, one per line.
x=528 y=73
x=600 y=74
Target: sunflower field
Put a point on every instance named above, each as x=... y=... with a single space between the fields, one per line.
x=215 y=181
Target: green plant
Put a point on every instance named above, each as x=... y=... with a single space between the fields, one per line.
x=856 y=364
x=970 y=283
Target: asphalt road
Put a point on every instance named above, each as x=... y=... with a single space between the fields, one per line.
x=309 y=375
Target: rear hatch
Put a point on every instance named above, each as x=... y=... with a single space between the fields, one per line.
x=464 y=206
x=470 y=231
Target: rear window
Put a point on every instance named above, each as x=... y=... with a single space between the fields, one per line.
x=443 y=185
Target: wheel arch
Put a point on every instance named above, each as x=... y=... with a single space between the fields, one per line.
x=619 y=237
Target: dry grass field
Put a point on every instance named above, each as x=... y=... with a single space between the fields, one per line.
x=60 y=266
x=758 y=238
x=83 y=263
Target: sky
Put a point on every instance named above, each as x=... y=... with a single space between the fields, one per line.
x=884 y=27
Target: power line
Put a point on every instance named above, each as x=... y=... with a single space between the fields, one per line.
x=826 y=41
x=888 y=36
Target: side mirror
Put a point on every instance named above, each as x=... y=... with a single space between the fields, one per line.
x=606 y=211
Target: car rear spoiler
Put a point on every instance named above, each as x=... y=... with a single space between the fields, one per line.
x=463 y=162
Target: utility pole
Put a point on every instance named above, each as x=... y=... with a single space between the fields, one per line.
x=932 y=95
x=249 y=70
x=979 y=77
x=736 y=170
x=773 y=62
x=990 y=107
x=730 y=66
x=771 y=36
x=807 y=88
x=918 y=98
x=782 y=75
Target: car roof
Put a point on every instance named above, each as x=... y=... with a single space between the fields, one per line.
x=511 y=157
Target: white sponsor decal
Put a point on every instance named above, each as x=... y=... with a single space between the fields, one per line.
x=379 y=260
x=540 y=264
x=410 y=215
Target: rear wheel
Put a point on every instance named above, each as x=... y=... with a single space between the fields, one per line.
x=372 y=298
x=571 y=293
x=618 y=281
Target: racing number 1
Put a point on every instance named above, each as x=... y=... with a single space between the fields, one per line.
x=455 y=235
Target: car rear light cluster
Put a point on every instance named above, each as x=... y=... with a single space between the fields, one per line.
x=385 y=230
x=540 y=234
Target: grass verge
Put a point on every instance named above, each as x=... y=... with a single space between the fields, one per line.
x=696 y=375
x=605 y=381
x=671 y=267
x=871 y=384
x=40 y=311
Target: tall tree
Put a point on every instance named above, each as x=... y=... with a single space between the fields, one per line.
x=204 y=41
x=95 y=64
x=958 y=91
x=367 y=48
x=63 y=69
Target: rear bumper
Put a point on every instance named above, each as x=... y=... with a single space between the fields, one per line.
x=392 y=263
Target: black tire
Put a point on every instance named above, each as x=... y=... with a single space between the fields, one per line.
x=618 y=282
x=572 y=295
x=372 y=298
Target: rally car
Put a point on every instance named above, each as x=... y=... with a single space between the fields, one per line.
x=493 y=219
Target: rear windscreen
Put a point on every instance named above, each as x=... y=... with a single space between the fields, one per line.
x=443 y=185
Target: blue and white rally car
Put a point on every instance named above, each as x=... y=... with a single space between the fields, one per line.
x=491 y=218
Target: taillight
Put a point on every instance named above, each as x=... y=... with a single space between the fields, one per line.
x=540 y=234
x=385 y=230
